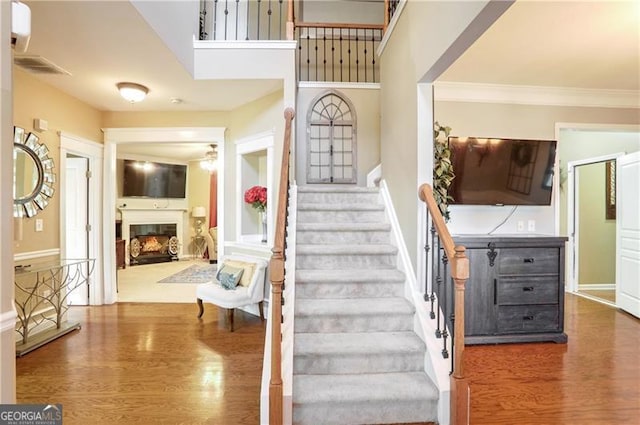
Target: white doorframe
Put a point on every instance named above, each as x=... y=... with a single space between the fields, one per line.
x=572 y=217
x=93 y=151
x=115 y=136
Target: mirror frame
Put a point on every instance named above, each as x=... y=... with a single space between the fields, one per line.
x=38 y=199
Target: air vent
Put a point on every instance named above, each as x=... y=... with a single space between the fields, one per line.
x=39 y=65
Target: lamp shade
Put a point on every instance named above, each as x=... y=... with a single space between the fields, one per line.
x=198 y=212
x=132 y=92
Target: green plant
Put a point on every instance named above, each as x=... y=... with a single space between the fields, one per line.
x=443 y=174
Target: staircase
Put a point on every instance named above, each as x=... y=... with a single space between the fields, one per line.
x=356 y=357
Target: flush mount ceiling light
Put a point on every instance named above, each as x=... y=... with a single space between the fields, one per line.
x=210 y=162
x=132 y=92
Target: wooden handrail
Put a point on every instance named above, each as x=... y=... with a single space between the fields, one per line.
x=387 y=18
x=276 y=275
x=338 y=25
x=460 y=273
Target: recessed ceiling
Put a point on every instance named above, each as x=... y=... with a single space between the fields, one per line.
x=102 y=43
x=582 y=44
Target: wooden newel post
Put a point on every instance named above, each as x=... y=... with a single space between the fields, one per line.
x=386 y=15
x=290 y=23
x=276 y=275
x=459 y=386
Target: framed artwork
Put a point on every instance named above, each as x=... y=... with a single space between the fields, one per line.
x=610 y=190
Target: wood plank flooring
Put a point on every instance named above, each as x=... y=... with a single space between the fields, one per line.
x=158 y=364
x=593 y=379
x=149 y=364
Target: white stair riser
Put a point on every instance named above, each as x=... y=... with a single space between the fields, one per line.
x=346 y=237
x=352 y=323
x=338 y=198
x=348 y=290
x=358 y=363
x=367 y=412
x=338 y=216
x=341 y=261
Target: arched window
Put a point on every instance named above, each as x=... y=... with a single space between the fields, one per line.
x=331 y=140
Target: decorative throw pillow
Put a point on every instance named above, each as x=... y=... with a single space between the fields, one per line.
x=229 y=276
x=249 y=269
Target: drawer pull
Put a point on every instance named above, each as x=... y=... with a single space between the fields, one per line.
x=528 y=289
x=529 y=260
x=495 y=291
x=527 y=317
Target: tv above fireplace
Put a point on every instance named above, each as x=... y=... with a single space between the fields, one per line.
x=497 y=171
x=154 y=179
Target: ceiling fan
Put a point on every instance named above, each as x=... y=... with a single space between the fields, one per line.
x=210 y=160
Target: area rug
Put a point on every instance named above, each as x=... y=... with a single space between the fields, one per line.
x=193 y=274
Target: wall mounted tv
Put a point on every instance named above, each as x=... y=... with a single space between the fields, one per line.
x=490 y=171
x=154 y=179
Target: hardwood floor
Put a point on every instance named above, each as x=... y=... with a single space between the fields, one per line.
x=149 y=364
x=158 y=364
x=593 y=379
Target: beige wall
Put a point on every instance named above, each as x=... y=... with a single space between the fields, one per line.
x=420 y=40
x=597 y=235
x=34 y=99
x=198 y=195
x=366 y=103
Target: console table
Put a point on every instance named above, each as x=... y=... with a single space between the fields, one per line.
x=41 y=300
x=515 y=291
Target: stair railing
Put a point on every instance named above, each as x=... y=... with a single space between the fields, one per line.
x=276 y=275
x=223 y=20
x=447 y=257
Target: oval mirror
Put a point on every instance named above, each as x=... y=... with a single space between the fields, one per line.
x=33 y=176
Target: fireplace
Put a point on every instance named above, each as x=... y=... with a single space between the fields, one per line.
x=152 y=243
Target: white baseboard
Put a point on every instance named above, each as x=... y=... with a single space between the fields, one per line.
x=597 y=287
x=8 y=320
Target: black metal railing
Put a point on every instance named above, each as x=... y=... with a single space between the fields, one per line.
x=393 y=6
x=449 y=272
x=338 y=52
x=222 y=20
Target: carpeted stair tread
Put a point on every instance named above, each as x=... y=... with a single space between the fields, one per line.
x=343 y=227
x=378 y=387
x=345 y=249
x=337 y=189
x=364 y=343
x=347 y=206
x=353 y=307
x=349 y=276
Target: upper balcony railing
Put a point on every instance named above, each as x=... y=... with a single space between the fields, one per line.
x=223 y=20
x=326 y=51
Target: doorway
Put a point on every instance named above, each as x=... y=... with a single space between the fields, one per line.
x=81 y=211
x=77 y=219
x=331 y=140
x=592 y=228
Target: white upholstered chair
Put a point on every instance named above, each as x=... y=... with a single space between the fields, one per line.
x=249 y=291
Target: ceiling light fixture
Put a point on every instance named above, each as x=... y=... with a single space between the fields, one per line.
x=210 y=162
x=132 y=92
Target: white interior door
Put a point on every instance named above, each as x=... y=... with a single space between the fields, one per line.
x=77 y=219
x=628 y=242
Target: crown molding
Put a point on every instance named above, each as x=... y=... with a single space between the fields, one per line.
x=536 y=95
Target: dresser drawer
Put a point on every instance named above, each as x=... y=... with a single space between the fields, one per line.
x=539 y=318
x=527 y=290
x=528 y=261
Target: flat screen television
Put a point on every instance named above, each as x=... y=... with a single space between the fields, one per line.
x=490 y=171
x=154 y=179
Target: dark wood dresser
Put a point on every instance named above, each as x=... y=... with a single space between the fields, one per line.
x=515 y=291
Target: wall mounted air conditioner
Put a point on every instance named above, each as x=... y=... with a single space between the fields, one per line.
x=20 y=26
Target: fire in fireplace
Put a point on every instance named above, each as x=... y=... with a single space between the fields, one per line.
x=152 y=243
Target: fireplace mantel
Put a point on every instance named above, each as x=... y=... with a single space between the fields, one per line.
x=152 y=216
